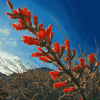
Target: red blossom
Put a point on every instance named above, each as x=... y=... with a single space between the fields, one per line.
x=92 y=59
x=41 y=26
x=24 y=12
x=90 y=75
x=40 y=49
x=19 y=11
x=57 y=84
x=39 y=36
x=68 y=89
x=43 y=59
x=62 y=48
x=11 y=17
x=43 y=35
x=10 y=5
x=30 y=40
x=97 y=63
x=56 y=47
x=20 y=21
x=17 y=27
x=67 y=43
x=55 y=77
x=14 y=25
x=72 y=88
x=74 y=50
x=75 y=69
x=68 y=51
x=51 y=35
x=8 y=13
x=15 y=12
x=8 y=2
x=82 y=62
x=48 y=30
x=54 y=74
x=35 y=20
x=66 y=58
x=37 y=54
x=29 y=14
x=59 y=68
x=27 y=19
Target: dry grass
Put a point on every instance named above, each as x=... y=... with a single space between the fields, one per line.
x=39 y=85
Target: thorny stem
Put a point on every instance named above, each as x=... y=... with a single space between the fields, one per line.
x=67 y=72
x=60 y=63
x=33 y=31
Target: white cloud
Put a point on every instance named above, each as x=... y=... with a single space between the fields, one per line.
x=6 y=32
x=12 y=42
x=4 y=56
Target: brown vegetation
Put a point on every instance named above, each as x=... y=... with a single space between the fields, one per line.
x=39 y=86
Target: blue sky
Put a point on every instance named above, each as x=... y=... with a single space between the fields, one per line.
x=80 y=20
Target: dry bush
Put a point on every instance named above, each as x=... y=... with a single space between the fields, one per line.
x=39 y=85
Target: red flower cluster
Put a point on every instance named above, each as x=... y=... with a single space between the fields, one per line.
x=26 y=14
x=54 y=74
x=35 y=20
x=74 y=51
x=57 y=84
x=8 y=2
x=68 y=48
x=57 y=49
x=37 y=54
x=59 y=68
x=23 y=15
x=46 y=58
x=77 y=68
x=92 y=59
x=83 y=66
x=10 y=5
x=30 y=40
x=45 y=35
x=68 y=89
x=62 y=48
x=90 y=75
x=66 y=58
x=11 y=15
x=97 y=64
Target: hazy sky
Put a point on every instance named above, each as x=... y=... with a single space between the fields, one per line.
x=80 y=20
